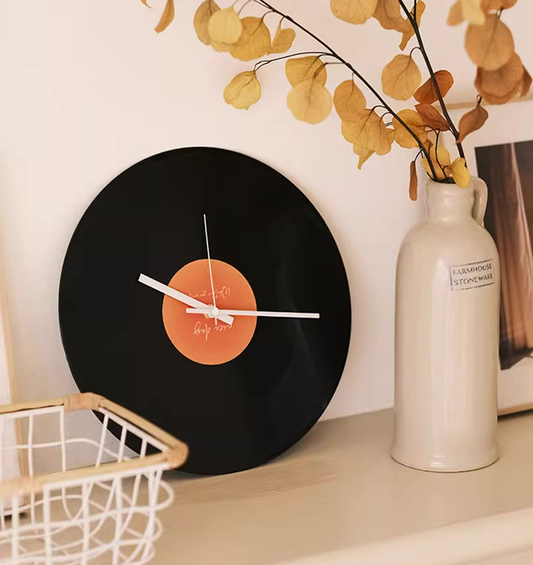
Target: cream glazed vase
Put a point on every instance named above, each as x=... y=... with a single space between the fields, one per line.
x=447 y=335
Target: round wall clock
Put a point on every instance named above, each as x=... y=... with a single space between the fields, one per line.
x=202 y=290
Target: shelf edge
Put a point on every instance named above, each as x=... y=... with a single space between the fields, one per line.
x=457 y=544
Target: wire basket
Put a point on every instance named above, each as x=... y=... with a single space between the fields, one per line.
x=102 y=514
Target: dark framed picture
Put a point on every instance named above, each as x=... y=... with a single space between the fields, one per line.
x=501 y=153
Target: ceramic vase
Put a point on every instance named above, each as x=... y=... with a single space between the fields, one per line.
x=447 y=334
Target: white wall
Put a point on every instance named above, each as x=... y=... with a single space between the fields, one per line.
x=87 y=88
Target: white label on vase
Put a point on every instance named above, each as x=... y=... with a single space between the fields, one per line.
x=472 y=275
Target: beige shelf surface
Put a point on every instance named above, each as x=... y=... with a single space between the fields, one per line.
x=338 y=498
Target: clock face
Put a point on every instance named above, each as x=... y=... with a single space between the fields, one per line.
x=185 y=296
x=200 y=338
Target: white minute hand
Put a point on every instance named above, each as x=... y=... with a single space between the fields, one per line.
x=208 y=311
x=177 y=295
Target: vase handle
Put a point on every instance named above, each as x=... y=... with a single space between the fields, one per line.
x=481 y=195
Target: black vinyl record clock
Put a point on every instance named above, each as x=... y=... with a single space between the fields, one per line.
x=202 y=290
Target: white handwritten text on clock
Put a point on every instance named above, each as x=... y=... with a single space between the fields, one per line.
x=203 y=330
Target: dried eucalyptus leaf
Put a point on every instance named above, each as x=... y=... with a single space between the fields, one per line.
x=303 y=68
x=490 y=5
x=201 y=20
x=283 y=40
x=455 y=15
x=525 y=85
x=254 y=42
x=401 y=77
x=432 y=117
x=243 y=91
x=427 y=94
x=472 y=121
x=349 y=101
x=368 y=131
x=166 y=17
x=460 y=173
x=493 y=99
x=220 y=47
x=440 y=160
x=472 y=12
x=364 y=154
x=310 y=101
x=225 y=26
x=503 y=80
x=413 y=181
x=406 y=36
x=353 y=11
x=388 y=14
x=491 y=45
x=415 y=122
x=501 y=85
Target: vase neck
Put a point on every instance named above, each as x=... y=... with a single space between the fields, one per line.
x=448 y=202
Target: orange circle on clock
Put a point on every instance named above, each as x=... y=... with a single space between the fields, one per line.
x=198 y=337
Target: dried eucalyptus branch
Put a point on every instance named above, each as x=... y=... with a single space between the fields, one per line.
x=348 y=65
x=412 y=21
x=489 y=43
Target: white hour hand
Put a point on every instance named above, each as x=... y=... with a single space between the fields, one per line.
x=209 y=312
x=177 y=295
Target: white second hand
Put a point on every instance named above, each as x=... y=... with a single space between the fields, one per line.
x=210 y=269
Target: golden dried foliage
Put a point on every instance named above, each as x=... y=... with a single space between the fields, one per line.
x=243 y=91
x=472 y=12
x=220 y=47
x=491 y=45
x=388 y=14
x=525 y=85
x=488 y=5
x=413 y=181
x=283 y=40
x=310 y=101
x=440 y=158
x=408 y=33
x=401 y=77
x=166 y=17
x=201 y=20
x=427 y=94
x=368 y=132
x=225 y=26
x=455 y=15
x=353 y=11
x=415 y=123
x=501 y=85
x=303 y=68
x=254 y=41
x=472 y=121
x=433 y=118
x=364 y=154
x=460 y=173
x=488 y=41
x=349 y=101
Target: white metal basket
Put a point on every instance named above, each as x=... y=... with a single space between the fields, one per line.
x=103 y=514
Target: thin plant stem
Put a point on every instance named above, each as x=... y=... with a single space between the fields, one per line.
x=416 y=29
x=334 y=54
x=244 y=6
x=264 y=62
x=437 y=157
